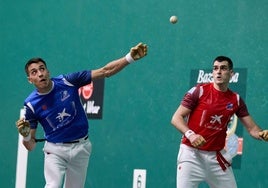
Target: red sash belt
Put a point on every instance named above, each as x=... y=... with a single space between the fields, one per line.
x=222 y=161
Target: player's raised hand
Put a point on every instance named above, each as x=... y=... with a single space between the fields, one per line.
x=264 y=135
x=23 y=127
x=139 y=51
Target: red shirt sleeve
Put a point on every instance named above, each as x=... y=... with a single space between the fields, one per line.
x=190 y=99
x=242 y=110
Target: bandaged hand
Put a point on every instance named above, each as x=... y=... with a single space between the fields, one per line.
x=197 y=140
x=23 y=127
x=138 y=51
x=264 y=135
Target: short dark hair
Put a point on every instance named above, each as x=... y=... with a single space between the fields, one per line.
x=33 y=60
x=224 y=58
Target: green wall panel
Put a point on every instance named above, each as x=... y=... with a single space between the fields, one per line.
x=135 y=131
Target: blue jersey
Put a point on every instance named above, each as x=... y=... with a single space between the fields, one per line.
x=60 y=112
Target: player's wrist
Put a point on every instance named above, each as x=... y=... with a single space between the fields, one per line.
x=27 y=138
x=129 y=58
x=189 y=133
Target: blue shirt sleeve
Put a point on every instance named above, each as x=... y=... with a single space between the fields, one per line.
x=80 y=78
x=29 y=116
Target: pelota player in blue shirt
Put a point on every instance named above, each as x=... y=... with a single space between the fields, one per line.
x=56 y=105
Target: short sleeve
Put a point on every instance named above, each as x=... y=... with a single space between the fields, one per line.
x=242 y=110
x=190 y=99
x=79 y=79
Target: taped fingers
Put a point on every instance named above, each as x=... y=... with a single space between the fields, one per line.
x=264 y=135
x=23 y=127
x=139 y=51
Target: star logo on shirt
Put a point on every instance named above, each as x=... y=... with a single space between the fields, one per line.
x=215 y=119
x=62 y=114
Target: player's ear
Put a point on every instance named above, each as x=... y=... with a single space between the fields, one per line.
x=231 y=72
x=29 y=80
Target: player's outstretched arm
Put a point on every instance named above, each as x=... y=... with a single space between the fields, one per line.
x=27 y=133
x=253 y=129
x=137 y=52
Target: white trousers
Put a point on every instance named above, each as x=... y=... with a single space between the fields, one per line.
x=66 y=164
x=195 y=166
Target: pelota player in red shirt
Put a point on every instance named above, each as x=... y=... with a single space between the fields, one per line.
x=203 y=117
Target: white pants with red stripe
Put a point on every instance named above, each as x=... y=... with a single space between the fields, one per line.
x=195 y=166
x=66 y=164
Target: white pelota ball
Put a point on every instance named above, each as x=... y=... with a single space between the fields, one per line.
x=173 y=19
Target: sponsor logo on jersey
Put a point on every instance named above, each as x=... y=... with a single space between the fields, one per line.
x=64 y=95
x=230 y=106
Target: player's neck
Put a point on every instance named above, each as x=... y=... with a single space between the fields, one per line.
x=221 y=87
x=46 y=89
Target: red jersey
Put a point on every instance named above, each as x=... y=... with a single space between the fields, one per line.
x=211 y=111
